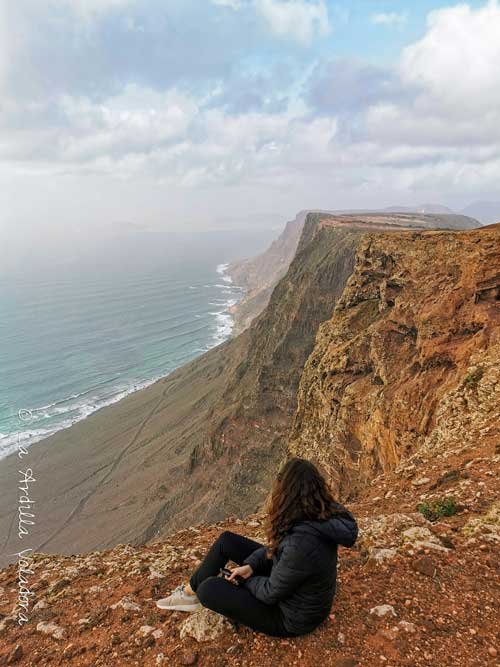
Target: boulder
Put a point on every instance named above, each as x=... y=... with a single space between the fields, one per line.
x=204 y=625
x=422 y=537
x=384 y=531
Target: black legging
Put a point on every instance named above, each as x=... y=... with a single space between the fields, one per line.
x=235 y=602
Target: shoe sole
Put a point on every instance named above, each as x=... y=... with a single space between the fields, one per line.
x=179 y=607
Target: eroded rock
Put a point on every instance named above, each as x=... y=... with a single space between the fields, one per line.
x=204 y=625
x=52 y=629
x=383 y=610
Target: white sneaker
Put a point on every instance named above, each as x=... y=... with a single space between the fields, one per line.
x=179 y=600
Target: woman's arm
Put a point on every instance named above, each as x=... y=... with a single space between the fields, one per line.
x=258 y=560
x=289 y=572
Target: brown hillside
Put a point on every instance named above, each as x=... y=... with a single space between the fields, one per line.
x=440 y=580
x=204 y=442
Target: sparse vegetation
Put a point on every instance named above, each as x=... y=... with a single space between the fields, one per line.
x=438 y=508
x=474 y=376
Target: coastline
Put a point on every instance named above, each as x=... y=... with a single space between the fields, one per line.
x=116 y=449
x=225 y=324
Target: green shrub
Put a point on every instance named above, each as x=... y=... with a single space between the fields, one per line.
x=472 y=378
x=438 y=508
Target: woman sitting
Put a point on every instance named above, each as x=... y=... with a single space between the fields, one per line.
x=286 y=588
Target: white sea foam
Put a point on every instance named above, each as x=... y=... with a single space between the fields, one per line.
x=223 y=319
x=221 y=270
x=10 y=442
x=65 y=412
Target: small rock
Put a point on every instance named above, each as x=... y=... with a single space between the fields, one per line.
x=58 y=586
x=492 y=651
x=15 y=655
x=69 y=651
x=407 y=626
x=51 y=629
x=425 y=566
x=41 y=604
x=188 y=658
x=383 y=610
x=421 y=481
x=95 y=589
x=145 y=630
x=204 y=625
x=155 y=574
x=127 y=604
x=380 y=555
x=390 y=633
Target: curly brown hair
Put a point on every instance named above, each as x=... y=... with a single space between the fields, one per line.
x=300 y=492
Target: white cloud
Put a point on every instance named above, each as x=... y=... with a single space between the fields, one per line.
x=90 y=8
x=430 y=124
x=232 y=4
x=136 y=122
x=391 y=19
x=452 y=115
x=4 y=59
x=298 y=20
x=457 y=62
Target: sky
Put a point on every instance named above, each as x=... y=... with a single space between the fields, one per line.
x=227 y=113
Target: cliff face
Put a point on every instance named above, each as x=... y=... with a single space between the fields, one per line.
x=205 y=441
x=247 y=433
x=197 y=445
x=409 y=360
x=259 y=275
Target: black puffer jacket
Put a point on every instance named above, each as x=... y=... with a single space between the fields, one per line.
x=304 y=571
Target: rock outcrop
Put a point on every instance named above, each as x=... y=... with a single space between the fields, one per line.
x=410 y=359
x=259 y=275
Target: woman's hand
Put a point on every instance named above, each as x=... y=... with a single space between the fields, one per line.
x=244 y=571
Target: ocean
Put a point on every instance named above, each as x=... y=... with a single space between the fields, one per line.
x=89 y=321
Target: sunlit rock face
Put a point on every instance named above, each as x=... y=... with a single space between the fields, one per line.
x=409 y=361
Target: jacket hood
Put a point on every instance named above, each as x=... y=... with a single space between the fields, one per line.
x=339 y=529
